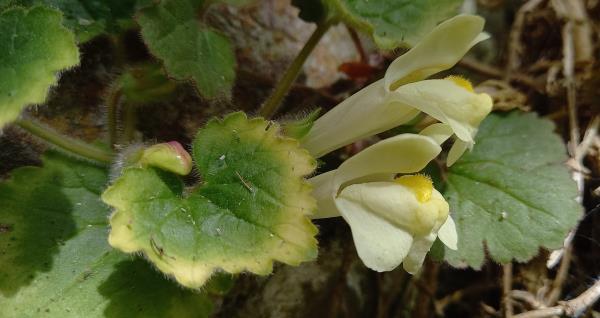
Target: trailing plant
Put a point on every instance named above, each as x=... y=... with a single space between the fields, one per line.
x=118 y=228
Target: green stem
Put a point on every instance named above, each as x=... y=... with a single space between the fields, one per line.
x=129 y=123
x=272 y=103
x=69 y=144
x=111 y=114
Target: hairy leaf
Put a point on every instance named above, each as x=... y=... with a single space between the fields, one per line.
x=56 y=261
x=512 y=193
x=394 y=22
x=250 y=210
x=145 y=83
x=89 y=18
x=300 y=127
x=34 y=47
x=189 y=49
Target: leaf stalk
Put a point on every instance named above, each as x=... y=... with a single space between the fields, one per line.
x=72 y=145
x=270 y=106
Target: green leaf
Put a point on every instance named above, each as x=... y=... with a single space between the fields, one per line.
x=56 y=261
x=89 y=18
x=145 y=83
x=34 y=47
x=394 y=22
x=251 y=209
x=299 y=128
x=512 y=193
x=189 y=49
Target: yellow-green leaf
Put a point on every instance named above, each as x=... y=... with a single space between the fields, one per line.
x=251 y=208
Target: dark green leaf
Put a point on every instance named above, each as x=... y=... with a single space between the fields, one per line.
x=145 y=84
x=89 y=18
x=189 y=49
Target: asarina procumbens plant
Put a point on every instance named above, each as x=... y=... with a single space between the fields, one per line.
x=253 y=206
x=94 y=230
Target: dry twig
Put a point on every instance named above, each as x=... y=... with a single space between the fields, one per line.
x=458 y=295
x=514 y=43
x=573 y=307
x=507 y=270
x=568 y=72
x=528 y=298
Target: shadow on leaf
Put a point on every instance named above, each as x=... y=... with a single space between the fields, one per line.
x=135 y=289
x=36 y=219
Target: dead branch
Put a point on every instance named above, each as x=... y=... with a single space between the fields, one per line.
x=507 y=270
x=514 y=42
x=572 y=308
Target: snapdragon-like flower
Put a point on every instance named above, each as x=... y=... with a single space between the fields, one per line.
x=403 y=93
x=393 y=219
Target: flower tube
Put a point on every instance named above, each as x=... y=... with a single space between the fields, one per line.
x=402 y=93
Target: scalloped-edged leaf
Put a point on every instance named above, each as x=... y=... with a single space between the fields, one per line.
x=394 y=22
x=145 y=83
x=188 y=48
x=251 y=209
x=34 y=47
x=55 y=258
x=512 y=193
x=89 y=18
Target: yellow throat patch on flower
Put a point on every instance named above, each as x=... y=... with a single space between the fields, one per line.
x=420 y=185
x=462 y=82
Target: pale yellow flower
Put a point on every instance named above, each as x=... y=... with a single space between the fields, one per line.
x=393 y=219
x=404 y=92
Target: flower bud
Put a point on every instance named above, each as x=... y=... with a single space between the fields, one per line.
x=169 y=156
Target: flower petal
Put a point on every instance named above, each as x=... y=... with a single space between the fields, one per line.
x=380 y=245
x=390 y=201
x=363 y=114
x=456 y=151
x=447 y=234
x=440 y=132
x=405 y=153
x=397 y=204
x=324 y=192
x=439 y=50
x=421 y=246
x=447 y=102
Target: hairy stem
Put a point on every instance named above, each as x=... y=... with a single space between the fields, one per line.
x=129 y=123
x=270 y=106
x=69 y=144
x=111 y=115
